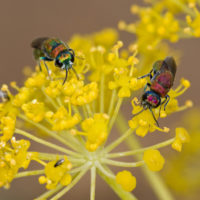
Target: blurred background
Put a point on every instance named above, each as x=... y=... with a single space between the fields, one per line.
x=21 y=21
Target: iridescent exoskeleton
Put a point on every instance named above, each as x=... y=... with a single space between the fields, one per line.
x=53 y=49
x=162 y=79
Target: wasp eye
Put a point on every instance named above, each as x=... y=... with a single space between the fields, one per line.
x=58 y=63
x=72 y=58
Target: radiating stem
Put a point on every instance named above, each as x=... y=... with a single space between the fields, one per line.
x=49 y=193
x=102 y=85
x=104 y=170
x=50 y=133
x=118 y=140
x=93 y=183
x=29 y=173
x=122 y=164
x=141 y=150
x=44 y=142
x=112 y=101
x=49 y=156
x=89 y=110
x=154 y=179
x=114 y=116
x=116 y=187
x=184 y=7
x=71 y=185
x=50 y=99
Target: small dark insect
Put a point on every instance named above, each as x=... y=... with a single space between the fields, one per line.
x=162 y=79
x=4 y=96
x=59 y=162
x=53 y=49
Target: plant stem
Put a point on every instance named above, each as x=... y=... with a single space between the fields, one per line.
x=154 y=179
x=122 y=164
x=118 y=141
x=113 y=118
x=29 y=173
x=50 y=133
x=72 y=184
x=141 y=150
x=102 y=93
x=93 y=183
x=50 y=99
x=49 y=193
x=116 y=187
x=104 y=171
x=44 y=142
x=112 y=101
x=50 y=156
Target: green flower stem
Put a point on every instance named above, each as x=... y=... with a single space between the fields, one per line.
x=113 y=118
x=118 y=141
x=154 y=179
x=122 y=164
x=76 y=110
x=185 y=8
x=102 y=87
x=141 y=150
x=85 y=113
x=104 y=170
x=50 y=156
x=116 y=187
x=71 y=185
x=49 y=193
x=50 y=133
x=112 y=101
x=75 y=142
x=29 y=173
x=50 y=99
x=78 y=169
x=89 y=110
x=44 y=142
x=93 y=183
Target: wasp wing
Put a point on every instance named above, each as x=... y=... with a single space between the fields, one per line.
x=169 y=64
x=37 y=43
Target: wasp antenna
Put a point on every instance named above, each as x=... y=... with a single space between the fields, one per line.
x=139 y=112
x=75 y=73
x=154 y=117
x=65 y=76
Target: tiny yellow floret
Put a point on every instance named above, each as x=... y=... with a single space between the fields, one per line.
x=126 y=180
x=153 y=159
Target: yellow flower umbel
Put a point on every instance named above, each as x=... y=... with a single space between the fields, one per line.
x=80 y=115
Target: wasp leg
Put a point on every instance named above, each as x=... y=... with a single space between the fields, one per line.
x=166 y=101
x=167 y=98
x=46 y=59
x=39 y=65
x=75 y=73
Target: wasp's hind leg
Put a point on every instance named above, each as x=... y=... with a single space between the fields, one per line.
x=166 y=101
x=46 y=59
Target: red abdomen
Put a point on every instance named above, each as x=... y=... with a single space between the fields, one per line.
x=162 y=83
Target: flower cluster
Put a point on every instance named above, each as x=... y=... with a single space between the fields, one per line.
x=81 y=113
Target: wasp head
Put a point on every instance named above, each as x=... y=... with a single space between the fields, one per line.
x=150 y=99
